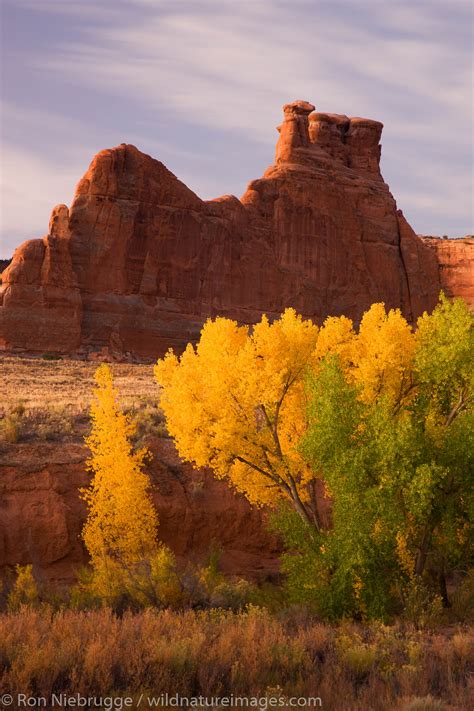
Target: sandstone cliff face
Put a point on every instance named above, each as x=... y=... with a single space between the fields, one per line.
x=139 y=261
x=455 y=259
x=40 y=303
x=42 y=513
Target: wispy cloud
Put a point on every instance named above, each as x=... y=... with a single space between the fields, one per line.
x=234 y=63
x=27 y=182
x=213 y=73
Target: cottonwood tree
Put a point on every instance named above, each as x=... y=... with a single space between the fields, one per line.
x=122 y=524
x=392 y=433
x=382 y=413
x=236 y=403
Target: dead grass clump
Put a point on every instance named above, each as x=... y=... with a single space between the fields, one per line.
x=9 y=429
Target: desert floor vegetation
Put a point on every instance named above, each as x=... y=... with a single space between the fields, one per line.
x=219 y=653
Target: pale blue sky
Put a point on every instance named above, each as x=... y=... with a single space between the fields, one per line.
x=199 y=85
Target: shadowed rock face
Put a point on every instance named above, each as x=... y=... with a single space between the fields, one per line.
x=138 y=262
x=43 y=514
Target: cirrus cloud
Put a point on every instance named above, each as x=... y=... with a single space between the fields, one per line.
x=200 y=86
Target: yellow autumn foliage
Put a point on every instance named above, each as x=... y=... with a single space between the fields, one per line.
x=382 y=355
x=236 y=401
x=25 y=590
x=121 y=529
x=378 y=358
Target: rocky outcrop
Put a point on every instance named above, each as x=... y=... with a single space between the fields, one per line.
x=455 y=259
x=42 y=513
x=139 y=261
x=40 y=303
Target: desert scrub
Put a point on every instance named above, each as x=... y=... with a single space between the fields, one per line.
x=358 y=657
x=55 y=423
x=11 y=421
x=19 y=421
x=50 y=399
x=426 y=703
x=9 y=429
x=148 y=418
x=218 y=652
x=422 y=608
x=41 y=384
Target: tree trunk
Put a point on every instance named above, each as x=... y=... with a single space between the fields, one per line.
x=443 y=590
x=302 y=510
x=423 y=552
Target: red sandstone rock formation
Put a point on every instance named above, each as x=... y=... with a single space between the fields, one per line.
x=456 y=265
x=42 y=513
x=40 y=303
x=139 y=261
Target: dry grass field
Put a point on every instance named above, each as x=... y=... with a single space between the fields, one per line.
x=50 y=399
x=219 y=653
x=40 y=383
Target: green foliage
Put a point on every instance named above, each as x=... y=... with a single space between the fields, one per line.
x=330 y=573
x=231 y=594
x=400 y=471
x=445 y=346
x=206 y=586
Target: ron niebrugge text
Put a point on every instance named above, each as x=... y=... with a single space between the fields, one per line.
x=162 y=701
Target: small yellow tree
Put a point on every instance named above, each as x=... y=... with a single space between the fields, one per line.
x=25 y=590
x=121 y=529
